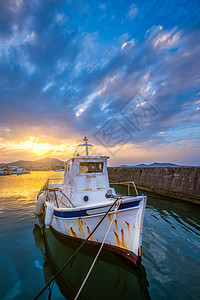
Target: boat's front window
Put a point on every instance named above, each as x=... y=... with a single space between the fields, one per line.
x=90 y=167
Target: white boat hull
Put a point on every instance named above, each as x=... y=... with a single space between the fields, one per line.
x=125 y=235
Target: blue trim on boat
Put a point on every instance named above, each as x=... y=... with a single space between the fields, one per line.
x=83 y=213
x=70 y=214
x=128 y=205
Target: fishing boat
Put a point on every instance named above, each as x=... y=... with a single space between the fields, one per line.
x=85 y=207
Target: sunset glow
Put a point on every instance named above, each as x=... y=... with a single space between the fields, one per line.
x=128 y=82
x=31 y=146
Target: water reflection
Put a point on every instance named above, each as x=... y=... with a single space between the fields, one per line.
x=171 y=246
x=26 y=186
x=110 y=278
x=171 y=250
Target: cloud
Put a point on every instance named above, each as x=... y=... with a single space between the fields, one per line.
x=128 y=43
x=47 y=86
x=132 y=12
x=33 y=146
x=102 y=6
x=12 y=13
x=60 y=17
x=65 y=76
x=167 y=40
x=30 y=37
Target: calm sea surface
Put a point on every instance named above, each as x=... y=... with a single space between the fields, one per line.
x=170 y=263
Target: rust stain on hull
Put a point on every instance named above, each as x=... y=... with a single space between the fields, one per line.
x=123 y=240
x=139 y=251
x=89 y=232
x=109 y=216
x=116 y=225
x=72 y=232
x=128 y=227
x=80 y=228
x=129 y=255
x=117 y=239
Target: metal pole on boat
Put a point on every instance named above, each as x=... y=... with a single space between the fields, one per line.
x=128 y=189
x=86 y=145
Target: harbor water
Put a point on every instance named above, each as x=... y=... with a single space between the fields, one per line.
x=30 y=255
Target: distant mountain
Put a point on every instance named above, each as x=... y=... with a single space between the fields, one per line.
x=152 y=165
x=157 y=165
x=44 y=162
x=53 y=162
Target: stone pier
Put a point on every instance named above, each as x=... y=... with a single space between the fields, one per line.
x=177 y=182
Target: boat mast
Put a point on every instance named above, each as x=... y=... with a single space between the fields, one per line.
x=86 y=146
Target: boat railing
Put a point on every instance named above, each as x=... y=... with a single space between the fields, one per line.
x=57 y=181
x=128 y=183
x=54 y=190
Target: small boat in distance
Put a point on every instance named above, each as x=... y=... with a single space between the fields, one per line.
x=4 y=171
x=18 y=171
x=12 y=170
x=85 y=205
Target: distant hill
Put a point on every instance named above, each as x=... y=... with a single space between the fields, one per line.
x=53 y=162
x=153 y=165
x=44 y=162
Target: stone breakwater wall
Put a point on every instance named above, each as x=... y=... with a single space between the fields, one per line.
x=177 y=182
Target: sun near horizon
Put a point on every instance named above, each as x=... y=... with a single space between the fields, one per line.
x=33 y=149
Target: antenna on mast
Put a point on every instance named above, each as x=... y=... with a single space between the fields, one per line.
x=86 y=146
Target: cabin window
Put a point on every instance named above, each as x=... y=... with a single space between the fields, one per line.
x=90 y=167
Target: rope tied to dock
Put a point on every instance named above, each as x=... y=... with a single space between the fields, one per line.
x=97 y=255
x=82 y=244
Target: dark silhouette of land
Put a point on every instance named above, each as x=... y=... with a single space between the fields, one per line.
x=40 y=164
x=151 y=165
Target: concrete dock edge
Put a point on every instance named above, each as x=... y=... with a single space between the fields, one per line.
x=181 y=183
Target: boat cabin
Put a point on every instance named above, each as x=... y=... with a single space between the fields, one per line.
x=86 y=178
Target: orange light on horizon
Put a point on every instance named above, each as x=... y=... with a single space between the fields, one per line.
x=34 y=146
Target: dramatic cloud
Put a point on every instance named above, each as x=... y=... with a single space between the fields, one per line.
x=120 y=73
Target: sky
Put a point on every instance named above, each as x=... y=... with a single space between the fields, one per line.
x=126 y=74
